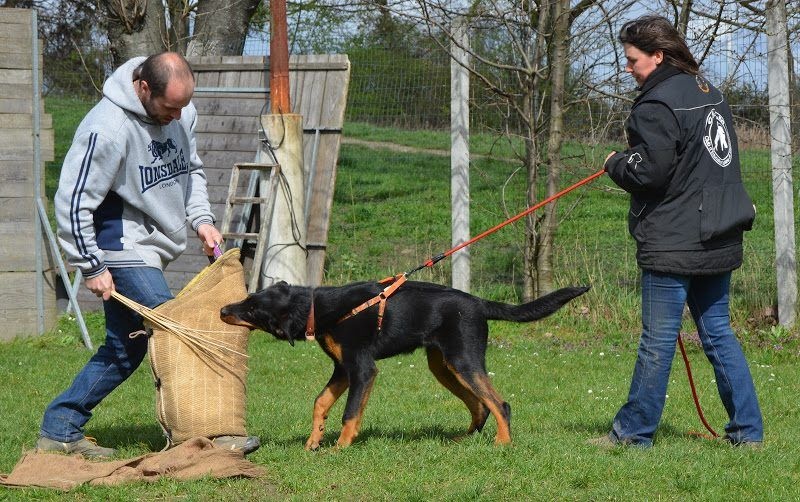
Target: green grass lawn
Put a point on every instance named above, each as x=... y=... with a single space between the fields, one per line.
x=564 y=377
x=559 y=397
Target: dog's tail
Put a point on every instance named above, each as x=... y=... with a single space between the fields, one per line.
x=531 y=311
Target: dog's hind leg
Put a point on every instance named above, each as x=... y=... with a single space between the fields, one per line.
x=445 y=376
x=335 y=387
x=362 y=378
x=478 y=382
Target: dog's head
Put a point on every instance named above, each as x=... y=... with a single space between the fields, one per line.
x=275 y=310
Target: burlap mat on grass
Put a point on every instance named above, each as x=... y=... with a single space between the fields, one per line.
x=192 y=459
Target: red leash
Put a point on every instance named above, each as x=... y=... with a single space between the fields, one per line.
x=694 y=391
x=396 y=281
x=432 y=261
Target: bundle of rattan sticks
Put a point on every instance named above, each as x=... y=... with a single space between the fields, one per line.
x=211 y=351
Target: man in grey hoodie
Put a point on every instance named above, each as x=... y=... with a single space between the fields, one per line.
x=130 y=184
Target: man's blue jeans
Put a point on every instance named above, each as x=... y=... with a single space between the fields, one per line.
x=663 y=299
x=114 y=361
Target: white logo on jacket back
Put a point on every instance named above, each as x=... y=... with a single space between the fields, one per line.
x=635 y=159
x=717 y=139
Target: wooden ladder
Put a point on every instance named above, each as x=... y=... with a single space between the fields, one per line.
x=264 y=177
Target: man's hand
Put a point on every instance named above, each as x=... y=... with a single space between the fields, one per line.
x=210 y=237
x=101 y=285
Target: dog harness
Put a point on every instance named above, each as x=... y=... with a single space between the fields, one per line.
x=395 y=283
x=310 y=328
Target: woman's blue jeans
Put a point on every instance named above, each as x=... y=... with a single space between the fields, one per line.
x=663 y=299
x=114 y=361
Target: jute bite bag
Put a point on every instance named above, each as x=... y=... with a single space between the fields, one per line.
x=200 y=363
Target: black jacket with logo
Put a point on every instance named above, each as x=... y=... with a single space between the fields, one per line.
x=688 y=206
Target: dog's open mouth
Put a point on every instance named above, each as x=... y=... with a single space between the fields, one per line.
x=234 y=320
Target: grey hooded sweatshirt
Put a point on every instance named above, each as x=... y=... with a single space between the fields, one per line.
x=128 y=185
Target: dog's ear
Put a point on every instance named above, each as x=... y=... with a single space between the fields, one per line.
x=294 y=313
x=286 y=325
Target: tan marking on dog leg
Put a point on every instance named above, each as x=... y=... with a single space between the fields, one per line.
x=331 y=347
x=351 y=427
x=492 y=400
x=349 y=433
x=322 y=405
x=446 y=377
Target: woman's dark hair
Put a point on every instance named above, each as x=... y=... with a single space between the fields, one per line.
x=158 y=69
x=652 y=33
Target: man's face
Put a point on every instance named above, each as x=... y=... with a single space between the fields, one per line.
x=164 y=109
x=641 y=64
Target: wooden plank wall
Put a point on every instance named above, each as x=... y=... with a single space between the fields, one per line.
x=227 y=133
x=319 y=94
x=17 y=183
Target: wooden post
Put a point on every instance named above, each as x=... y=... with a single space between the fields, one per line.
x=285 y=258
x=781 y=147
x=279 y=59
x=459 y=153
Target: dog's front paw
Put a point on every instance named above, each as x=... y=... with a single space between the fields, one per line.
x=502 y=441
x=343 y=442
x=312 y=444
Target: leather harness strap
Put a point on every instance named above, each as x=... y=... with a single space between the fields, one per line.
x=310 y=328
x=396 y=282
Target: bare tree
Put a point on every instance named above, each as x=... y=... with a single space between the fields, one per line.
x=525 y=57
x=135 y=28
x=138 y=27
x=221 y=27
x=555 y=57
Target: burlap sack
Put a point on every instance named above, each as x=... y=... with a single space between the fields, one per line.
x=200 y=383
x=193 y=459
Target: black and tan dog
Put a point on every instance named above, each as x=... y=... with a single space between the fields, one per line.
x=450 y=324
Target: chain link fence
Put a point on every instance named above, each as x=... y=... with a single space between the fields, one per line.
x=409 y=90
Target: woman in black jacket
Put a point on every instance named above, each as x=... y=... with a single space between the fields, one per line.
x=688 y=211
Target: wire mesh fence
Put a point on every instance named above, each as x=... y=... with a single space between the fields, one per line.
x=394 y=93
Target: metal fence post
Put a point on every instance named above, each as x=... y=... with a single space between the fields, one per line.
x=37 y=171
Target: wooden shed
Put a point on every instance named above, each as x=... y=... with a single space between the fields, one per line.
x=18 y=298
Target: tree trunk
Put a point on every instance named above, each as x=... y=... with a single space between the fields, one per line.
x=781 y=153
x=135 y=28
x=559 y=65
x=683 y=16
x=178 y=32
x=220 y=27
x=530 y=287
x=531 y=235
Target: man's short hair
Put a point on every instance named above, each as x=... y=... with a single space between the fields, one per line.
x=157 y=70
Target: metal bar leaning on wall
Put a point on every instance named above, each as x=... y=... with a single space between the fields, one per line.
x=41 y=221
